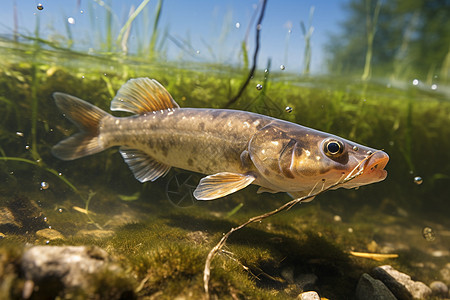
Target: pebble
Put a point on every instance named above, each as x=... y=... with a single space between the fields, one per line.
x=311 y=295
x=445 y=273
x=369 y=288
x=439 y=289
x=7 y=220
x=49 y=234
x=400 y=284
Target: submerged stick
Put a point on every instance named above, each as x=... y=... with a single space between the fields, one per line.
x=357 y=171
x=255 y=57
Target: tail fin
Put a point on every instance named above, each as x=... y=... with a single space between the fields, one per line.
x=87 y=118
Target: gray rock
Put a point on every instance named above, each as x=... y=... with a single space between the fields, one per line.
x=401 y=284
x=311 y=295
x=372 y=289
x=51 y=270
x=439 y=288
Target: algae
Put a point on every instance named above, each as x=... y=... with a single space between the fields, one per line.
x=162 y=247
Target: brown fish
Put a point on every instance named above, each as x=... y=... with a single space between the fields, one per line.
x=234 y=148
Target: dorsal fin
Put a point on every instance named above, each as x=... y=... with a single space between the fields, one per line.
x=142 y=95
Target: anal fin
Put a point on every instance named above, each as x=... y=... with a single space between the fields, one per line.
x=144 y=167
x=221 y=184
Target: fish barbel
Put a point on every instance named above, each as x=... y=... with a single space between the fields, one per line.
x=234 y=148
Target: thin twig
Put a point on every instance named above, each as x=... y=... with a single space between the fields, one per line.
x=357 y=171
x=255 y=57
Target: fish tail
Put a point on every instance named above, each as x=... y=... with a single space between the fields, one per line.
x=87 y=118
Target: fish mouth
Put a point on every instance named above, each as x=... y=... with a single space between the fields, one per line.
x=374 y=167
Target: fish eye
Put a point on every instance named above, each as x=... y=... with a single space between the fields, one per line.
x=333 y=147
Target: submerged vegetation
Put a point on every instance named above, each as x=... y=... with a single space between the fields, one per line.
x=160 y=247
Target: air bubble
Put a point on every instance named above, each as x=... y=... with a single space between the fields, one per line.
x=45 y=219
x=282 y=67
x=288 y=109
x=27 y=147
x=47 y=242
x=44 y=185
x=415 y=82
x=60 y=210
x=434 y=87
x=19 y=133
x=418 y=180
x=428 y=234
x=40 y=6
x=355 y=148
x=259 y=87
x=238 y=25
x=71 y=20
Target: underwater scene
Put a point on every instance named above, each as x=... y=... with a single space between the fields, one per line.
x=253 y=149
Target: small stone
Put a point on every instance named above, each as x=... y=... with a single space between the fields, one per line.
x=372 y=289
x=372 y=246
x=7 y=220
x=311 y=295
x=400 y=284
x=445 y=273
x=439 y=289
x=95 y=233
x=49 y=234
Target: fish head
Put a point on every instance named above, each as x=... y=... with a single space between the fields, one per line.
x=342 y=158
x=300 y=158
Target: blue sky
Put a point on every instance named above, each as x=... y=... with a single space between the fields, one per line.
x=210 y=26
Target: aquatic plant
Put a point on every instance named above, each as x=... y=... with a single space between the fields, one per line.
x=371 y=26
x=255 y=57
x=307 y=37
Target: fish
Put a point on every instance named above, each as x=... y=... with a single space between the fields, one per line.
x=233 y=148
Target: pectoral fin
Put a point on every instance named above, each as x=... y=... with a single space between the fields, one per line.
x=221 y=184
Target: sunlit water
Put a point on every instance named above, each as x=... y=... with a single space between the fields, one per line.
x=90 y=199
